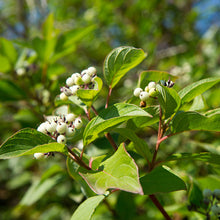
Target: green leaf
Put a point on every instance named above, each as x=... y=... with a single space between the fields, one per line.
x=140 y=145
x=204 y=156
x=5 y=65
x=10 y=91
x=117 y=172
x=195 y=196
x=119 y=61
x=29 y=141
x=161 y=180
x=191 y=91
x=48 y=30
x=198 y=103
x=185 y=121
x=87 y=208
x=88 y=96
x=155 y=76
x=169 y=100
x=73 y=169
x=7 y=49
x=110 y=117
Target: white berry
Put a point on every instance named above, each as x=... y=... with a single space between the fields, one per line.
x=78 y=80
x=63 y=97
x=144 y=96
x=61 y=128
x=70 y=117
x=91 y=70
x=42 y=128
x=78 y=123
x=146 y=89
x=74 y=75
x=74 y=89
x=70 y=81
x=137 y=91
x=153 y=92
x=151 y=85
x=61 y=139
x=70 y=132
x=51 y=127
x=38 y=155
x=86 y=78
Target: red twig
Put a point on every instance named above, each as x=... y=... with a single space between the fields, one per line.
x=159 y=206
x=108 y=97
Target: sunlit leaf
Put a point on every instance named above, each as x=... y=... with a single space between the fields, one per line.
x=117 y=172
x=110 y=117
x=119 y=62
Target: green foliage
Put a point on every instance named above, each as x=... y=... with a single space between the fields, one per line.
x=71 y=37
x=117 y=172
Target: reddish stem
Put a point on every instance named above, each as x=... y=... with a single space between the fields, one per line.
x=111 y=141
x=108 y=97
x=94 y=110
x=159 y=206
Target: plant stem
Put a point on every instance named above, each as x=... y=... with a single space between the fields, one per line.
x=159 y=206
x=109 y=94
x=94 y=110
x=87 y=111
x=77 y=159
x=111 y=141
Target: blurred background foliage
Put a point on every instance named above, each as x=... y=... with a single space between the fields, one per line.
x=42 y=42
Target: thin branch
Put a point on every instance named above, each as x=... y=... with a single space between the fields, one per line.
x=108 y=97
x=160 y=207
x=94 y=110
x=77 y=159
x=111 y=141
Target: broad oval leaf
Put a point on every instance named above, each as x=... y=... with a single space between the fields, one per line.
x=169 y=100
x=29 y=141
x=161 y=180
x=204 y=156
x=117 y=172
x=87 y=208
x=191 y=91
x=88 y=96
x=155 y=76
x=185 y=121
x=119 y=61
x=110 y=117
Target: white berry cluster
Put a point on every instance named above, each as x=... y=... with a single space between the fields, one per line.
x=60 y=128
x=149 y=91
x=83 y=80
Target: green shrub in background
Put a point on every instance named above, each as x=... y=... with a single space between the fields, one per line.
x=26 y=98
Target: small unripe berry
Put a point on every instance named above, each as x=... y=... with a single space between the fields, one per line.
x=137 y=91
x=63 y=97
x=78 y=123
x=70 y=117
x=38 y=155
x=21 y=71
x=74 y=75
x=215 y=209
x=70 y=81
x=151 y=85
x=78 y=80
x=144 y=96
x=146 y=89
x=51 y=127
x=61 y=128
x=91 y=70
x=86 y=78
x=70 y=132
x=153 y=92
x=216 y=193
x=61 y=139
x=207 y=193
x=74 y=89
